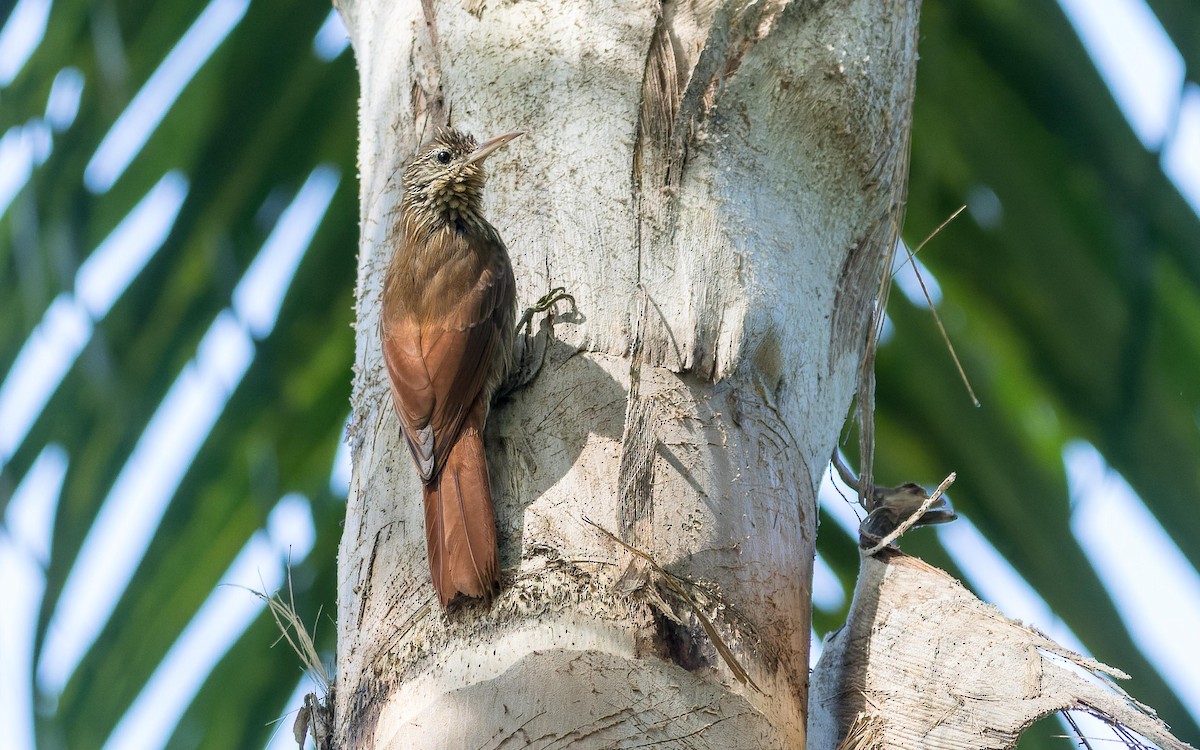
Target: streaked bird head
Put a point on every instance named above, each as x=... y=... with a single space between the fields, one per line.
x=444 y=183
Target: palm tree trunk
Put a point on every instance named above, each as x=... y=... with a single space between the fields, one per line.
x=716 y=184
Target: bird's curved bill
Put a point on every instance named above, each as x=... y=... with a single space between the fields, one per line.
x=487 y=147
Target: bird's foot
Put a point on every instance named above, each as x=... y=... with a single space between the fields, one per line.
x=531 y=346
x=547 y=301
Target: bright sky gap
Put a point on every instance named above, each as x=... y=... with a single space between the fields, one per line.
x=117 y=540
x=1181 y=158
x=24 y=550
x=21 y=587
x=331 y=38
x=114 y=264
x=24 y=147
x=133 y=509
x=223 y=617
x=220 y=621
x=1136 y=58
x=29 y=517
x=259 y=294
x=40 y=366
x=1155 y=588
x=17 y=158
x=906 y=279
x=290 y=528
x=21 y=35
x=841 y=509
x=63 y=102
x=339 y=476
x=997 y=582
x=827 y=591
x=55 y=343
x=148 y=107
x=985 y=207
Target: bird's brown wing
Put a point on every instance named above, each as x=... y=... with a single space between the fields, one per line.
x=438 y=367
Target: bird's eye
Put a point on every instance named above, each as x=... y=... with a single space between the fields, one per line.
x=443 y=157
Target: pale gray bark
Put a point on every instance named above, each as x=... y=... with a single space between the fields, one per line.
x=921 y=664
x=716 y=183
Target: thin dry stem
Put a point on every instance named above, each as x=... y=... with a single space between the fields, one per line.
x=945 y=336
x=292 y=628
x=912 y=255
x=1075 y=727
x=866 y=367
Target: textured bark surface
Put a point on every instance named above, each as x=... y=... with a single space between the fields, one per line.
x=716 y=184
x=922 y=664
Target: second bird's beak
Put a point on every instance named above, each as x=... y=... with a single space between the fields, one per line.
x=489 y=146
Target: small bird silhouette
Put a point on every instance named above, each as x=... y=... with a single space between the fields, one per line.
x=448 y=329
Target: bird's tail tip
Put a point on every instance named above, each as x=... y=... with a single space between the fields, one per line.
x=460 y=525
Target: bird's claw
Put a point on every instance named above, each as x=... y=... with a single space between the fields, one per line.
x=547 y=301
x=528 y=362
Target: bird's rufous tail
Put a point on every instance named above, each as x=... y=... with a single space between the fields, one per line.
x=460 y=524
